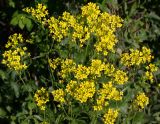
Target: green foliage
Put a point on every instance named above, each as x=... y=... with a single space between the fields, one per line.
x=22 y=21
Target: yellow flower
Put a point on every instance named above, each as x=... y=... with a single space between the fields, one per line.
x=59 y=95
x=120 y=77
x=55 y=30
x=39 y=13
x=110 y=116
x=54 y=63
x=80 y=28
x=149 y=73
x=71 y=86
x=67 y=67
x=109 y=69
x=108 y=92
x=14 y=40
x=15 y=57
x=141 y=101
x=100 y=103
x=96 y=67
x=136 y=57
x=81 y=72
x=81 y=92
x=91 y=11
x=41 y=97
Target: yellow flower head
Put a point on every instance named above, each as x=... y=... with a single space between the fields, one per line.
x=39 y=13
x=120 y=77
x=83 y=91
x=91 y=11
x=80 y=28
x=15 y=57
x=151 y=68
x=67 y=67
x=141 y=101
x=54 y=63
x=136 y=57
x=110 y=116
x=96 y=67
x=81 y=72
x=59 y=95
x=108 y=92
x=41 y=97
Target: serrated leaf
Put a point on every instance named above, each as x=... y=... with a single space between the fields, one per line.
x=28 y=24
x=14 y=21
x=15 y=14
x=31 y=105
x=20 y=24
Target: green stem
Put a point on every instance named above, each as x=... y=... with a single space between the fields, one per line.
x=21 y=78
x=86 y=50
x=44 y=115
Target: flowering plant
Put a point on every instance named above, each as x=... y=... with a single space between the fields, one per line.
x=87 y=79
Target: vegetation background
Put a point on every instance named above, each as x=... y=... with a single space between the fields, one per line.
x=141 y=27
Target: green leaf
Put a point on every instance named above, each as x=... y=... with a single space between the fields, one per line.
x=138 y=118
x=154 y=16
x=31 y=105
x=133 y=9
x=38 y=117
x=3 y=75
x=24 y=122
x=21 y=25
x=14 y=21
x=28 y=24
x=157 y=116
x=15 y=87
x=2 y=112
x=11 y=3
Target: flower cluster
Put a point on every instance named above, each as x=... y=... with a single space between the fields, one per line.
x=91 y=12
x=14 y=40
x=96 y=81
x=136 y=57
x=141 y=101
x=58 y=32
x=108 y=92
x=83 y=88
x=71 y=87
x=39 y=13
x=110 y=116
x=109 y=69
x=59 y=95
x=80 y=28
x=120 y=77
x=41 y=97
x=15 y=57
x=54 y=63
x=149 y=73
x=82 y=91
x=67 y=67
x=97 y=67
x=81 y=72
